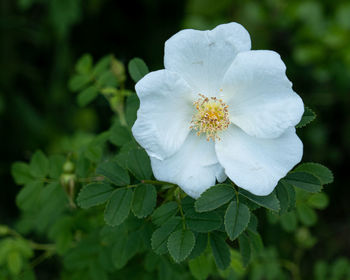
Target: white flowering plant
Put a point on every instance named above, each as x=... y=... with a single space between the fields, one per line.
x=177 y=187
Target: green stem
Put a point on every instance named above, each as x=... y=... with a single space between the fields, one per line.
x=33 y=245
x=121 y=114
x=132 y=186
x=41 y=258
x=178 y=200
x=42 y=247
x=155 y=182
x=293 y=268
x=91 y=179
x=236 y=192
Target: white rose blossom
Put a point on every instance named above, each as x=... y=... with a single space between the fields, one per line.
x=219 y=110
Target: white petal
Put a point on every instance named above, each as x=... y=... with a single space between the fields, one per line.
x=258 y=164
x=194 y=167
x=203 y=57
x=165 y=113
x=260 y=96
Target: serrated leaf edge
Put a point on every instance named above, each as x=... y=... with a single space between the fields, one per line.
x=80 y=191
x=236 y=221
x=318 y=164
x=305 y=124
x=194 y=243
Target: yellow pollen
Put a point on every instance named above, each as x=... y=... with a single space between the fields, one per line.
x=211 y=117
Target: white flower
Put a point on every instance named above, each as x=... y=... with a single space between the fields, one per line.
x=219 y=109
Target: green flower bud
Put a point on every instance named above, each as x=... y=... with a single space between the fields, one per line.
x=68 y=167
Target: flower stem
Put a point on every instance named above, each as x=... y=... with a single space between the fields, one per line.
x=155 y=182
x=236 y=192
x=178 y=200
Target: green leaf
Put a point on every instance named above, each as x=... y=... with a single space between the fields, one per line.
x=28 y=196
x=200 y=246
x=202 y=222
x=21 y=173
x=253 y=222
x=220 y=251
x=87 y=96
x=139 y=164
x=118 y=207
x=321 y=270
x=14 y=262
x=269 y=201
x=289 y=221
x=236 y=219
x=244 y=248
x=303 y=180
x=132 y=105
x=214 y=197
x=318 y=200
x=107 y=79
x=78 y=82
x=318 y=170
x=52 y=202
x=62 y=233
x=306 y=214
x=125 y=248
x=200 y=267
x=144 y=201
x=39 y=165
x=256 y=243
x=187 y=204
x=94 y=194
x=180 y=244
x=286 y=196
x=82 y=166
x=84 y=64
x=56 y=165
x=160 y=236
x=112 y=171
x=164 y=212
x=102 y=65
x=96 y=271
x=307 y=117
x=137 y=69
x=119 y=135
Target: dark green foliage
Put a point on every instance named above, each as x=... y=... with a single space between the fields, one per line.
x=307 y=118
x=161 y=235
x=200 y=245
x=120 y=135
x=164 y=213
x=318 y=170
x=220 y=250
x=214 y=198
x=94 y=194
x=144 y=200
x=270 y=201
x=112 y=171
x=244 y=247
x=237 y=218
x=137 y=69
x=180 y=244
x=118 y=206
x=203 y=222
x=21 y=173
x=39 y=165
x=139 y=164
x=304 y=181
x=286 y=196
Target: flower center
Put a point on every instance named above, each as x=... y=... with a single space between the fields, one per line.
x=210 y=118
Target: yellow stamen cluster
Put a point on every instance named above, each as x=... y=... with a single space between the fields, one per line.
x=211 y=117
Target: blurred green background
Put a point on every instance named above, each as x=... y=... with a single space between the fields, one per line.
x=42 y=39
